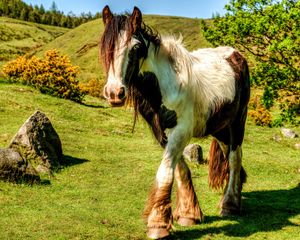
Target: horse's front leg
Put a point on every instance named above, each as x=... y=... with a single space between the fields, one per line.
x=187 y=210
x=158 y=213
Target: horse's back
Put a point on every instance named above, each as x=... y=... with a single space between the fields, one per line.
x=222 y=51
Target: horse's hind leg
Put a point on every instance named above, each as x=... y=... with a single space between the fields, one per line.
x=187 y=210
x=231 y=201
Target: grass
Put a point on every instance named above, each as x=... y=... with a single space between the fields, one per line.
x=19 y=37
x=108 y=170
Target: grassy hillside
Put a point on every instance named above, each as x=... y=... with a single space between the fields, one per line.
x=81 y=44
x=19 y=37
x=101 y=191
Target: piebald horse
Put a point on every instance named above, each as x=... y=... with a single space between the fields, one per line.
x=189 y=94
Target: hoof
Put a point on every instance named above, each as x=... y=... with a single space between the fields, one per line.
x=186 y=222
x=227 y=212
x=157 y=233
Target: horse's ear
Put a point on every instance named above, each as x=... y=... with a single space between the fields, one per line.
x=106 y=15
x=136 y=19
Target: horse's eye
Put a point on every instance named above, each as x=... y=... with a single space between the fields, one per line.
x=136 y=47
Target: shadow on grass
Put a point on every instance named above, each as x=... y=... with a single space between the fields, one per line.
x=68 y=161
x=90 y=105
x=264 y=211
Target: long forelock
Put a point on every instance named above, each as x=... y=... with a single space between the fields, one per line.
x=110 y=36
x=113 y=31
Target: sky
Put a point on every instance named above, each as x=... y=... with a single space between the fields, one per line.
x=183 y=8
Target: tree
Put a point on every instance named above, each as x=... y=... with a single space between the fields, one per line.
x=269 y=31
x=34 y=16
x=42 y=9
x=24 y=14
x=53 y=7
x=37 y=13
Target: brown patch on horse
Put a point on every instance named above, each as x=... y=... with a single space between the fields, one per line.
x=237 y=63
x=187 y=205
x=158 y=207
x=218 y=166
x=229 y=115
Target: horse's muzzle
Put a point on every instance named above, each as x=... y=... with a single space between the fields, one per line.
x=115 y=98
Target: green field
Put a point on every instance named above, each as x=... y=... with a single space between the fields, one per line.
x=107 y=172
x=19 y=37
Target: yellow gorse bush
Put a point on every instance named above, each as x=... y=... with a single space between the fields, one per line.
x=93 y=87
x=54 y=74
x=260 y=115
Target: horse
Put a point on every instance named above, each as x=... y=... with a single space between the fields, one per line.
x=181 y=95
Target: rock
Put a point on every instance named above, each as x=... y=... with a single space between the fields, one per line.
x=286 y=132
x=38 y=143
x=277 y=138
x=43 y=170
x=297 y=145
x=13 y=167
x=193 y=152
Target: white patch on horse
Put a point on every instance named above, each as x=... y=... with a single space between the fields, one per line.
x=201 y=80
x=178 y=138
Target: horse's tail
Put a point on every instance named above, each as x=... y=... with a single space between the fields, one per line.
x=219 y=167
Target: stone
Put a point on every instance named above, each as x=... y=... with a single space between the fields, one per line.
x=38 y=143
x=194 y=153
x=13 y=168
x=286 y=132
x=277 y=138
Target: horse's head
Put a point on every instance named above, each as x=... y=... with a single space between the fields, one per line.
x=122 y=48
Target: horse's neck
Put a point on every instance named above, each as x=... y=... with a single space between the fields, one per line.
x=168 y=64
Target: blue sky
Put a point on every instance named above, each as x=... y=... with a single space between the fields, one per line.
x=186 y=8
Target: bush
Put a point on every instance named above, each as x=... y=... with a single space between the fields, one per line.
x=54 y=74
x=290 y=108
x=260 y=115
x=94 y=88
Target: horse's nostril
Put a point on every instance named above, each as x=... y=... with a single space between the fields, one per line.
x=121 y=93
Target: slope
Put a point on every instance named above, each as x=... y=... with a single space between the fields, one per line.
x=20 y=37
x=81 y=44
x=108 y=170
